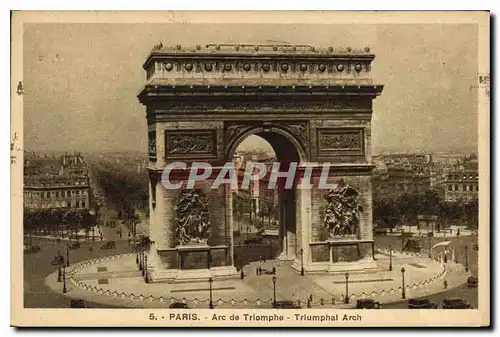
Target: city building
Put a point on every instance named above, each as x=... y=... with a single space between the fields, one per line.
x=462 y=182
x=55 y=182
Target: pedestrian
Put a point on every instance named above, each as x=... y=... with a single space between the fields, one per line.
x=458 y=232
x=274 y=270
x=311 y=297
x=445 y=283
x=257 y=271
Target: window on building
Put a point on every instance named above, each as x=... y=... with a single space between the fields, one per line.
x=57 y=194
x=83 y=204
x=42 y=195
x=464 y=187
x=450 y=187
x=77 y=204
x=456 y=187
x=68 y=204
x=77 y=192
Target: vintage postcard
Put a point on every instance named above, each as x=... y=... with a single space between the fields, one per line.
x=250 y=169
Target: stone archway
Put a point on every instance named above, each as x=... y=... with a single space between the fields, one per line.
x=314 y=104
x=288 y=149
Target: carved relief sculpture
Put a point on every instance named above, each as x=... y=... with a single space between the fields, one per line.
x=152 y=144
x=351 y=141
x=342 y=211
x=192 y=226
x=190 y=143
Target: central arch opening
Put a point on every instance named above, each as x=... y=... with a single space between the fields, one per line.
x=264 y=215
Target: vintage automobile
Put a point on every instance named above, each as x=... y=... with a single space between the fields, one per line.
x=255 y=241
x=380 y=231
x=472 y=282
x=57 y=260
x=285 y=305
x=412 y=245
x=31 y=249
x=367 y=303
x=178 y=305
x=455 y=303
x=109 y=245
x=74 y=245
x=422 y=303
x=78 y=304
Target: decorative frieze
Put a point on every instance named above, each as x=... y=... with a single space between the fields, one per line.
x=340 y=142
x=191 y=142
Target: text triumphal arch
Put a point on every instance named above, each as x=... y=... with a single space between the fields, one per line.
x=314 y=106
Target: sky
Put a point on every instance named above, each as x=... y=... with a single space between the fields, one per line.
x=81 y=80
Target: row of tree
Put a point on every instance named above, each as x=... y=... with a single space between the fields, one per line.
x=58 y=221
x=126 y=190
x=405 y=209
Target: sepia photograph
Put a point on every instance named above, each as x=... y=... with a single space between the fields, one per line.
x=212 y=169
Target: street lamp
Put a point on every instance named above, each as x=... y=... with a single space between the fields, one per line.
x=466 y=259
x=67 y=255
x=302 y=261
x=346 y=300
x=137 y=258
x=143 y=264
x=274 y=291
x=93 y=233
x=59 y=274
x=211 y=303
x=248 y=232
x=390 y=259
x=146 y=268
x=403 y=295
x=64 y=280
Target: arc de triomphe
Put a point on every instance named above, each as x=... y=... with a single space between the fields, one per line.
x=312 y=105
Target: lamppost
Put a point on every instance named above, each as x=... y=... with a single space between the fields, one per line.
x=137 y=259
x=466 y=259
x=143 y=265
x=59 y=274
x=146 y=268
x=274 y=291
x=248 y=232
x=270 y=249
x=211 y=303
x=302 y=261
x=67 y=255
x=390 y=259
x=93 y=233
x=403 y=295
x=64 y=280
x=346 y=300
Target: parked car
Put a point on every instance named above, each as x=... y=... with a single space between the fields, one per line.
x=456 y=303
x=57 y=260
x=380 y=231
x=78 y=304
x=413 y=245
x=422 y=303
x=31 y=249
x=109 y=245
x=472 y=281
x=256 y=241
x=285 y=305
x=74 y=245
x=367 y=303
x=178 y=305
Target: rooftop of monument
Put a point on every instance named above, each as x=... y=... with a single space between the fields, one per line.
x=258 y=50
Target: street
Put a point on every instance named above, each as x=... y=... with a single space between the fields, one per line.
x=38 y=265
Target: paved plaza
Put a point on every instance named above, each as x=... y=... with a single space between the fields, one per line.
x=117 y=281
